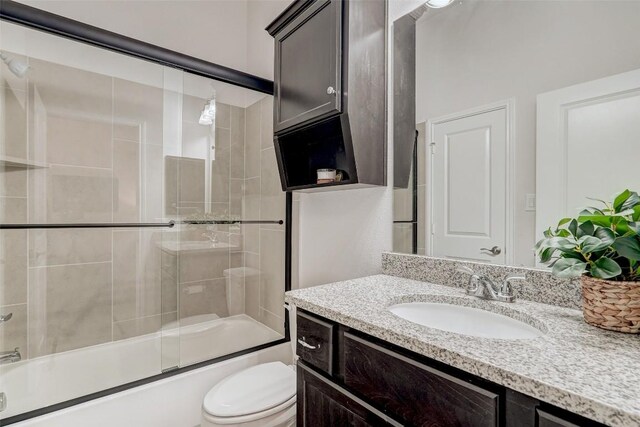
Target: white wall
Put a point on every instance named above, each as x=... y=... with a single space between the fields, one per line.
x=215 y=31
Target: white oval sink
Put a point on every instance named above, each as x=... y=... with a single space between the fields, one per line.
x=464 y=320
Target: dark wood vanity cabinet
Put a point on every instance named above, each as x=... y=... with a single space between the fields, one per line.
x=308 y=66
x=346 y=378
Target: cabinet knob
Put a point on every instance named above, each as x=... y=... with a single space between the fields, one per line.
x=331 y=90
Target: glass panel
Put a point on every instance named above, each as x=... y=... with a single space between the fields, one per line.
x=230 y=275
x=89 y=136
x=83 y=132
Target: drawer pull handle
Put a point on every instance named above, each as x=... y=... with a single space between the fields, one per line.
x=306 y=345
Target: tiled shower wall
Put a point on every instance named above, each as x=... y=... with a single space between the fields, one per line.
x=264 y=199
x=90 y=139
x=73 y=288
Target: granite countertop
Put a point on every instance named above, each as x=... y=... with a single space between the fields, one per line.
x=586 y=370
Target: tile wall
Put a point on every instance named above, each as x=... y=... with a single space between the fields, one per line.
x=91 y=141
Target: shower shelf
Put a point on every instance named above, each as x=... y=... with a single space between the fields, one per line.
x=18 y=163
x=169 y=224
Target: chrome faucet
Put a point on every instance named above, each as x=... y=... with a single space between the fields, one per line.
x=482 y=286
x=10 y=356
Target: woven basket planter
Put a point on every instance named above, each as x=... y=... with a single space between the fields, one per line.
x=611 y=305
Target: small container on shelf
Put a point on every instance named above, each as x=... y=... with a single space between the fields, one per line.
x=326 y=176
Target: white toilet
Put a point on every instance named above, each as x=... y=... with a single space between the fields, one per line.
x=263 y=395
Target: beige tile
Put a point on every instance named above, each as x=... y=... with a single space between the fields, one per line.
x=266 y=123
x=153 y=179
x=203 y=297
x=171 y=182
x=136 y=327
x=252 y=199
x=252 y=286
x=13 y=209
x=69 y=306
x=137 y=288
x=271 y=270
x=191 y=180
x=72 y=90
x=135 y=107
x=13 y=267
x=252 y=144
x=222 y=139
x=13 y=122
x=272 y=198
x=13 y=182
x=72 y=194
x=126 y=181
x=273 y=321
x=236 y=196
x=169 y=297
x=237 y=142
x=202 y=266
x=127 y=132
x=251 y=238
x=169 y=263
x=79 y=141
x=13 y=333
x=223 y=115
x=68 y=246
x=220 y=177
x=236 y=259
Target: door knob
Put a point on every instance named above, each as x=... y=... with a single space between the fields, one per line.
x=494 y=251
x=331 y=90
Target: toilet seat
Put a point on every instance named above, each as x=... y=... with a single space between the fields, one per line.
x=252 y=394
x=245 y=419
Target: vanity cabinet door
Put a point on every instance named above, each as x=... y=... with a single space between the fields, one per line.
x=321 y=403
x=308 y=64
x=413 y=393
x=314 y=342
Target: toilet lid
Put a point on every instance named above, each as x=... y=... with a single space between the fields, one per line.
x=252 y=390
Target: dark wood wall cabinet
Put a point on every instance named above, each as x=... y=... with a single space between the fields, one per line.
x=346 y=378
x=329 y=107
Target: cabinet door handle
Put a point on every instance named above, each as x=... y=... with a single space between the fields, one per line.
x=306 y=345
x=331 y=90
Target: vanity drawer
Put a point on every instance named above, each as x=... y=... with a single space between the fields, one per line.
x=413 y=393
x=315 y=341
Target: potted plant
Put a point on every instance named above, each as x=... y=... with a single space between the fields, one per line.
x=602 y=246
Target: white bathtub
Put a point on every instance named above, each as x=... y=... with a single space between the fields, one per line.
x=43 y=381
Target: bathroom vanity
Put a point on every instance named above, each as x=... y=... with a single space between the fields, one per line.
x=359 y=364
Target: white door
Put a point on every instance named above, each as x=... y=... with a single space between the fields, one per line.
x=588 y=145
x=468 y=187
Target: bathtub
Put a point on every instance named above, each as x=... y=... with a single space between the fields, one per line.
x=43 y=381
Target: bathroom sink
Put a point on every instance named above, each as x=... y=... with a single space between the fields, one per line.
x=465 y=320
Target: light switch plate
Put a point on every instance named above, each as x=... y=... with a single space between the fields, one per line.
x=530 y=202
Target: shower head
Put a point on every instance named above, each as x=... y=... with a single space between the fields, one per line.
x=17 y=67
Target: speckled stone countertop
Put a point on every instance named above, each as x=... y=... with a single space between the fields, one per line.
x=586 y=370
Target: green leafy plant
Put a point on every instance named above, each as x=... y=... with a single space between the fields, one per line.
x=601 y=242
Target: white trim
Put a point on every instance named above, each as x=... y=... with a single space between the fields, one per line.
x=510 y=109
